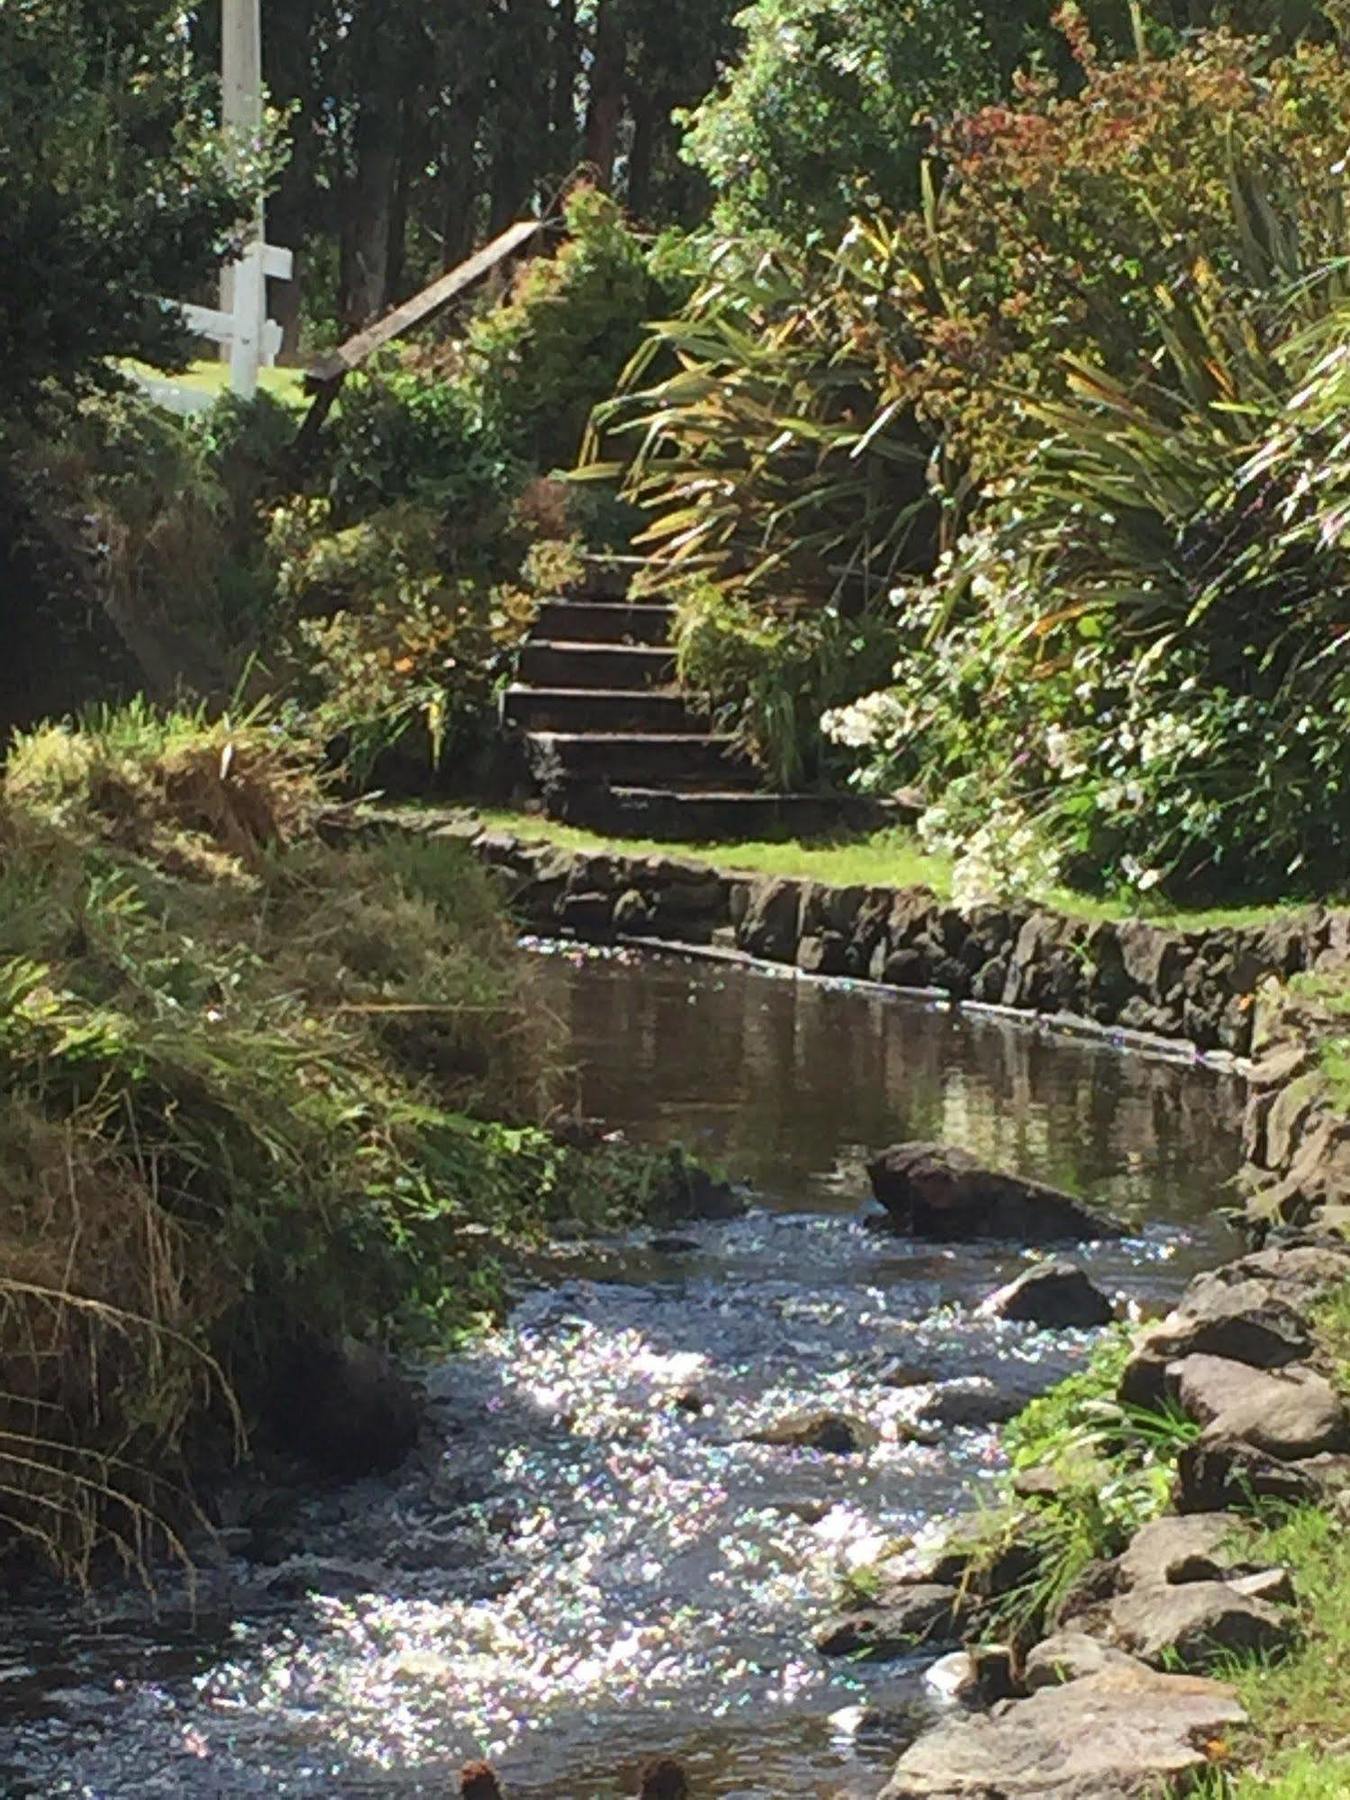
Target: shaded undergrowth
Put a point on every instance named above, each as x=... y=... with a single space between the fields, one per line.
x=254 y=1086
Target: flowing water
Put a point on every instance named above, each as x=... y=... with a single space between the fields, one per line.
x=592 y=1559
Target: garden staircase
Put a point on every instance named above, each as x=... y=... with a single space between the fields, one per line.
x=616 y=746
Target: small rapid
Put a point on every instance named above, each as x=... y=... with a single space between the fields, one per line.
x=595 y=1556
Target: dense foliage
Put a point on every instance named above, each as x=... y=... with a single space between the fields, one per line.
x=1064 y=437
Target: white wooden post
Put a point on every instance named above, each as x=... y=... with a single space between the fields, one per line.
x=243 y=286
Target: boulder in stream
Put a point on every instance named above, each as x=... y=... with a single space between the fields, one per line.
x=1125 y=1731
x=938 y=1191
x=347 y=1408
x=926 y=1614
x=833 y=1433
x=1055 y=1295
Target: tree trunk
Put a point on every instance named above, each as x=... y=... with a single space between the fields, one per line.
x=604 y=109
x=563 y=95
x=295 y=212
x=648 y=109
x=369 y=198
x=459 y=179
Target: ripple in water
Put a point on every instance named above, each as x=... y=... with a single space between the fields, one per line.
x=593 y=1559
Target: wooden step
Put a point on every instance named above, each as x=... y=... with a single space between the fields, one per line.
x=711 y=816
x=639 y=759
x=604 y=622
x=548 y=662
x=600 y=709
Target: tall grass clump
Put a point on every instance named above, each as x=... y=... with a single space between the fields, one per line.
x=257 y=1089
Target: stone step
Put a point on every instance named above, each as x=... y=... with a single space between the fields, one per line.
x=600 y=709
x=548 y=662
x=708 y=816
x=640 y=759
x=604 y=622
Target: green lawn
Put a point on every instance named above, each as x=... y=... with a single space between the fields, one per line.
x=888 y=858
x=211 y=376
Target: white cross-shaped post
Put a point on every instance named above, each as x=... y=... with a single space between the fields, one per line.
x=243 y=286
x=247 y=337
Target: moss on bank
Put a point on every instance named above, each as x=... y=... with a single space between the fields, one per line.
x=255 y=1087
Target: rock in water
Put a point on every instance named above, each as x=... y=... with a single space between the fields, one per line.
x=1056 y=1295
x=663 y=1779
x=347 y=1408
x=833 y=1434
x=938 y=1191
x=927 y=1614
x=1122 y=1732
x=478 y=1781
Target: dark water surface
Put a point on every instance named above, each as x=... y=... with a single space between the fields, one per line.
x=590 y=1561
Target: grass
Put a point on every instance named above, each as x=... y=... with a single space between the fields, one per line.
x=209 y=375
x=888 y=858
x=1332 y=993
x=1298 y=1707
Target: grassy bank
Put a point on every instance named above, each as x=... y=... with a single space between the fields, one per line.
x=1298 y=1744
x=257 y=1090
x=889 y=858
x=1116 y=1466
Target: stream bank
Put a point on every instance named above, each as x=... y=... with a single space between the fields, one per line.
x=590 y=1558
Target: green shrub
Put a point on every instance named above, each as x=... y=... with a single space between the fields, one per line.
x=378 y=643
x=779 y=458
x=1143 y=646
x=769 y=677
x=537 y=363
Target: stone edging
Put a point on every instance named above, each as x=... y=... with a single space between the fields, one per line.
x=1200 y=988
x=1217 y=993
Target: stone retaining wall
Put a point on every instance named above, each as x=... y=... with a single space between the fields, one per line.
x=1296 y=1138
x=1197 y=986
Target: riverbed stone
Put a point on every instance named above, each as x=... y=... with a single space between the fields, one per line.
x=904 y=968
x=831 y=1433
x=971 y=1402
x=1056 y=1295
x=634 y=915
x=989 y=981
x=1180 y=1548
x=1121 y=1733
x=1288 y=1413
x=938 y=1191
x=1070 y=1656
x=590 y=913
x=1243 y=1322
x=1295 y=1274
x=1191 y=1624
x=825 y=954
x=1217 y=1472
x=345 y=1407
x=915 y=1616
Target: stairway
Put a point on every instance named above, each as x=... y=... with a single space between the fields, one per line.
x=616 y=747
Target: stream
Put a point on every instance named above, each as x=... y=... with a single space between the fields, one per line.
x=589 y=1562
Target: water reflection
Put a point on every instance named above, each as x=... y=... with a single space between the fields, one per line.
x=792 y=1084
x=595 y=1557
